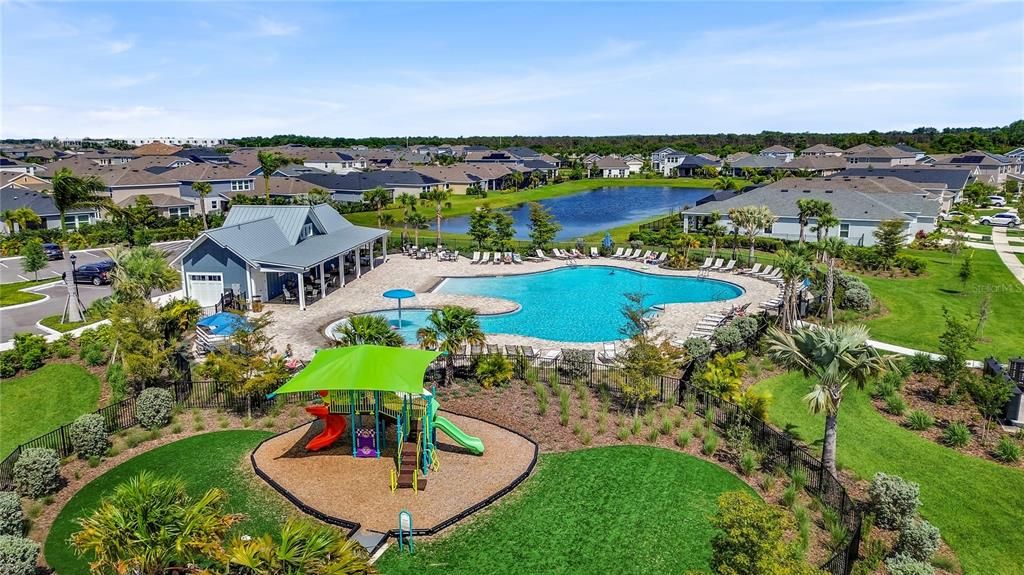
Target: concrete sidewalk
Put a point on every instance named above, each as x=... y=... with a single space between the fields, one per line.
x=1007 y=253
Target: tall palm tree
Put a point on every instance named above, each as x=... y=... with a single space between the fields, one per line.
x=517 y=179
x=408 y=203
x=448 y=330
x=368 y=329
x=724 y=183
x=833 y=249
x=753 y=220
x=825 y=219
x=203 y=189
x=805 y=210
x=150 y=524
x=271 y=162
x=10 y=218
x=438 y=196
x=834 y=357
x=416 y=220
x=795 y=268
x=139 y=271
x=72 y=192
x=714 y=230
x=378 y=198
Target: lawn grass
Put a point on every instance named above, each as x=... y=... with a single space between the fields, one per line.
x=53 y=322
x=627 y=509
x=33 y=404
x=10 y=294
x=203 y=461
x=914 y=304
x=976 y=503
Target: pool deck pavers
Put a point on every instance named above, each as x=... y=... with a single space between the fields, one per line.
x=304 y=329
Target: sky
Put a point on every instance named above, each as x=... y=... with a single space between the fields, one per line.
x=216 y=69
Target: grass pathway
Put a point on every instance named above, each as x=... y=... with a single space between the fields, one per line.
x=976 y=503
x=41 y=401
x=629 y=509
x=203 y=461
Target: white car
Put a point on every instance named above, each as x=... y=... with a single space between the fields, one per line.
x=951 y=215
x=1003 y=219
x=997 y=201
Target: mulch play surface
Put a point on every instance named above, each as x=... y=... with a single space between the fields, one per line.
x=337 y=484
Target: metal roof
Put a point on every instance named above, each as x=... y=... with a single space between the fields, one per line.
x=316 y=249
x=289 y=219
x=249 y=239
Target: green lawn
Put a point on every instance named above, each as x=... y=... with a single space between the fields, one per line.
x=10 y=294
x=53 y=322
x=914 y=317
x=629 y=509
x=43 y=400
x=974 y=502
x=203 y=461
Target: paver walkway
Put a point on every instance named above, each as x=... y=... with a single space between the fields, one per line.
x=1010 y=259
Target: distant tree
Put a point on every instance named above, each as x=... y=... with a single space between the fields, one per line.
x=417 y=222
x=408 y=202
x=448 y=330
x=516 y=179
x=377 y=199
x=372 y=329
x=966 y=270
x=72 y=192
x=271 y=162
x=977 y=192
x=834 y=249
x=825 y=222
x=543 y=226
x=795 y=268
x=806 y=208
x=203 y=189
x=480 y=225
x=576 y=173
x=437 y=195
x=503 y=231
x=724 y=183
x=250 y=366
x=714 y=230
x=753 y=220
x=890 y=236
x=33 y=257
x=139 y=271
x=20 y=217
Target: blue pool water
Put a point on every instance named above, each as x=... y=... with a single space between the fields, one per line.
x=599 y=209
x=574 y=304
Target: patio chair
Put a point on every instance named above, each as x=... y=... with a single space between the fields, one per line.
x=576 y=254
x=629 y=254
x=486 y=257
x=508 y=258
x=753 y=270
x=511 y=350
x=288 y=297
x=497 y=258
x=559 y=253
x=649 y=255
x=550 y=355
x=618 y=253
x=717 y=265
x=767 y=271
x=638 y=255
x=476 y=349
x=594 y=253
x=476 y=258
x=493 y=349
x=528 y=351
x=706 y=264
x=516 y=259
x=541 y=256
x=728 y=267
x=608 y=354
x=775 y=275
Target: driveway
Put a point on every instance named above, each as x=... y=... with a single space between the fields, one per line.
x=10 y=268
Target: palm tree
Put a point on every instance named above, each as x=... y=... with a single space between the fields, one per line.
x=367 y=329
x=203 y=189
x=448 y=330
x=714 y=230
x=417 y=221
x=72 y=192
x=753 y=220
x=795 y=268
x=139 y=271
x=408 y=203
x=517 y=179
x=151 y=524
x=776 y=175
x=833 y=248
x=680 y=253
x=377 y=199
x=302 y=547
x=21 y=217
x=724 y=183
x=806 y=209
x=825 y=222
x=10 y=218
x=438 y=195
x=834 y=357
x=271 y=162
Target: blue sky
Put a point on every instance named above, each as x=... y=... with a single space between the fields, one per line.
x=343 y=69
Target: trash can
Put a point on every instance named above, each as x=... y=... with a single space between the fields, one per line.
x=257 y=303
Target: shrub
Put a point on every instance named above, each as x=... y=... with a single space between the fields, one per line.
x=710 y=444
x=895 y=404
x=727 y=337
x=153 y=407
x=911 y=264
x=8 y=364
x=31 y=350
x=884 y=388
x=956 y=435
x=89 y=435
x=62 y=347
x=920 y=363
x=1007 y=451
x=748 y=463
x=747 y=326
x=37 y=472
x=798 y=477
x=918 y=539
x=683 y=438
x=893 y=499
x=12 y=518
x=919 y=420
x=750 y=538
x=494 y=370
x=575 y=363
x=857 y=298
x=18 y=555
x=696 y=347
x=906 y=565
x=117 y=380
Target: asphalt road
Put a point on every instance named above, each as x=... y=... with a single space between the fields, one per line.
x=23 y=319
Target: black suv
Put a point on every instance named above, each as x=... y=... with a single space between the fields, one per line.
x=97 y=273
x=53 y=252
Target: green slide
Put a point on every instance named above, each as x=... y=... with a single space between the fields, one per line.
x=473 y=444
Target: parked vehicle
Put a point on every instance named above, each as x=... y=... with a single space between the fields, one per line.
x=997 y=201
x=951 y=215
x=96 y=273
x=53 y=252
x=1002 y=219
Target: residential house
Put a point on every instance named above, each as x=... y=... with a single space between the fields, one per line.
x=717 y=160
x=124 y=181
x=860 y=205
x=165 y=205
x=918 y=154
x=634 y=162
x=492 y=176
x=334 y=161
x=287 y=253
x=17 y=167
x=14 y=196
x=881 y=157
x=156 y=149
x=350 y=187
x=612 y=167
x=223 y=179
x=690 y=165
x=742 y=162
x=290 y=188
x=23 y=181
x=949 y=182
x=106 y=157
x=457 y=178
x=991 y=168
x=659 y=157
x=158 y=164
x=817 y=165
x=778 y=152
x=821 y=150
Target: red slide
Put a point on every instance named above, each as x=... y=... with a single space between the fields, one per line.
x=334 y=426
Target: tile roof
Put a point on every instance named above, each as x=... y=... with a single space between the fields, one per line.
x=821 y=149
x=159 y=200
x=611 y=163
x=777 y=149
x=202 y=172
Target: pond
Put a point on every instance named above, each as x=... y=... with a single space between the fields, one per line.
x=599 y=209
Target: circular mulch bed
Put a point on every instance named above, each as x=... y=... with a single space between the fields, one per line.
x=338 y=485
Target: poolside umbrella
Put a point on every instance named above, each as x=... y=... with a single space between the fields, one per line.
x=362 y=367
x=607 y=241
x=399 y=294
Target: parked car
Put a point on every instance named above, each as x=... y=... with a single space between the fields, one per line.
x=951 y=215
x=997 y=201
x=96 y=273
x=53 y=252
x=1002 y=219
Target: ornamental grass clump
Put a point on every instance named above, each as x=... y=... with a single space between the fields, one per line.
x=89 y=436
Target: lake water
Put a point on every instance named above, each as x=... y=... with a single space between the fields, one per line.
x=599 y=209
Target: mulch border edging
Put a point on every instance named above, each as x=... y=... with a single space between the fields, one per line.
x=353 y=527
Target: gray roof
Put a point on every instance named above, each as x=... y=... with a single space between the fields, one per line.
x=316 y=249
x=953 y=179
x=40 y=203
x=289 y=219
x=250 y=239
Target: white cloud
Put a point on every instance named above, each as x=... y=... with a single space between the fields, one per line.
x=268 y=27
x=125 y=113
x=120 y=46
x=132 y=81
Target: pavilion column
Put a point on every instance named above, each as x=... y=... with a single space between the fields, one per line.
x=359 y=262
x=341 y=270
x=302 y=290
x=323 y=282
x=371 y=255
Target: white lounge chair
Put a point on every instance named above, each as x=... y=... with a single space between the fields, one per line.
x=753 y=270
x=476 y=258
x=728 y=267
x=576 y=254
x=550 y=355
x=647 y=255
x=640 y=255
x=776 y=275
x=486 y=257
x=541 y=256
x=507 y=258
x=618 y=253
x=706 y=264
x=516 y=259
x=767 y=271
x=496 y=258
x=594 y=253
x=718 y=264
x=454 y=257
x=608 y=354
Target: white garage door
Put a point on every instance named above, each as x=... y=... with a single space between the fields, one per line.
x=206 y=288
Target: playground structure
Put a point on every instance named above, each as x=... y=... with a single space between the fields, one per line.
x=367 y=389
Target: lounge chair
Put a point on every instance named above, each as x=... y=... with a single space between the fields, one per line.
x=511 y=350
x=558 y=253
x=594 y=253
x=493 y=349
x=728 y=267
x=516 y=259
x=576 y=254
x=608 y=354
x=507 y=258
x=476 y=349
x=775 y=275
x=706 y=264
x=618 y=253
x=767 y=271
x=528 y=351
x=639 y=255
x=476 y=258
x=550 y=355
x=718 y=264
x=662 y=258
x=497 y=258
x=541 y=256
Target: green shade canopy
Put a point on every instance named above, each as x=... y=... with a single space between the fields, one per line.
x=363 y=367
